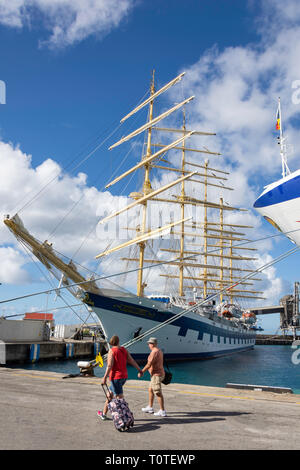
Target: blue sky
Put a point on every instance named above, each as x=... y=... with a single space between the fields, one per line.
x=71 y=72
x=57 y=99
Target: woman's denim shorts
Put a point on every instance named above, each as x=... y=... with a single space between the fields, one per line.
x=116 y=386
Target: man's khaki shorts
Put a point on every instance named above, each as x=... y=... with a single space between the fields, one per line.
x=155 y=383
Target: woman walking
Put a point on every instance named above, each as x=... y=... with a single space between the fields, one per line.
x=116 y=370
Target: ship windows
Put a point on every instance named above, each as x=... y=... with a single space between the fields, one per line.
x=183 y=331
x=200 y=336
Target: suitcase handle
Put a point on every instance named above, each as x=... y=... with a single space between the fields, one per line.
x=107 y=392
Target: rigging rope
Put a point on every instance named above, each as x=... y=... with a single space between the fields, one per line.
x=96 y=179
x=52 y=284
x=57 y=175
x=93 y=139
x=92 y=152
x=95 y=225
x=135 y=270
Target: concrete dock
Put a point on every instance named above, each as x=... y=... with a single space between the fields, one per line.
x=55 y=349
x=41 y=410
x=274 y=340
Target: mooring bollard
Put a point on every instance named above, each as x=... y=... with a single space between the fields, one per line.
x=86 y=368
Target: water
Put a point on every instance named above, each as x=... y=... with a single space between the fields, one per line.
x=264 y=365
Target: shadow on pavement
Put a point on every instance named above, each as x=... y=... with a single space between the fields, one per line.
x=150 y=423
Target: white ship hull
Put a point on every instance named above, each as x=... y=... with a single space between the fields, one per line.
x=279 y=203
x=193 y=336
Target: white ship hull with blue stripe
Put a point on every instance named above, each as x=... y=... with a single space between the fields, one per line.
x=192 y=336
x=279 y=203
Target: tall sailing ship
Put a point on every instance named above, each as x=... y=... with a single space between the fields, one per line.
x=180 y=239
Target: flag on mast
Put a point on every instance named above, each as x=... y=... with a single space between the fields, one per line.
x=278 y=118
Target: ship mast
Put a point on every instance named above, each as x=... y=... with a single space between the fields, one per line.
x=218 y=237
x=205 y=231
x=222 y=234
x=146 y=190
x=221 y=250
x=181 y=268
x=282 y=142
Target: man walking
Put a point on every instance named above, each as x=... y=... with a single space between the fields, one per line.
x=155 y=365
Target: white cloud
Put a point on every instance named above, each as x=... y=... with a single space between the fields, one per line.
x=237 y=90
x=20 y=186
x=11 y=13
x=68 y=21
x=272 y=16
x=12 y=270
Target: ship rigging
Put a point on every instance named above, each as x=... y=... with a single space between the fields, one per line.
x=197 y=225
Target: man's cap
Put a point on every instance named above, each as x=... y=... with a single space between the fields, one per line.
x=152 y=340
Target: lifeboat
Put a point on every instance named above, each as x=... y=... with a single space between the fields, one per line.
x=249 y=317
x=227 y=314
x=228 y=310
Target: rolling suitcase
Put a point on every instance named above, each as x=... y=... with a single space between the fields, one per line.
x=122 y=416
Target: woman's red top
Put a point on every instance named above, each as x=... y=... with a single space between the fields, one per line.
x=119 y=369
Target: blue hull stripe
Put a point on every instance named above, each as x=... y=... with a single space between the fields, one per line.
x=147 y=313
x=284 y=192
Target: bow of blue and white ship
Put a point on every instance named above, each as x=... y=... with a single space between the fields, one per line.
x=279 y=204
x=199 y=334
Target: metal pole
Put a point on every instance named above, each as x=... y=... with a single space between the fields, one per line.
x=296 y=309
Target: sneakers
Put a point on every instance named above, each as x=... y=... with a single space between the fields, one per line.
x=148 y=409
x=102 y=416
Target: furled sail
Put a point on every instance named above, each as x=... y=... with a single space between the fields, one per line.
x=152 y=122
x=155 y=95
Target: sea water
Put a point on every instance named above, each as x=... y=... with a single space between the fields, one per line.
x=263 y=365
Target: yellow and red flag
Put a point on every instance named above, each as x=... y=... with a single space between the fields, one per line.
x=278 y=120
